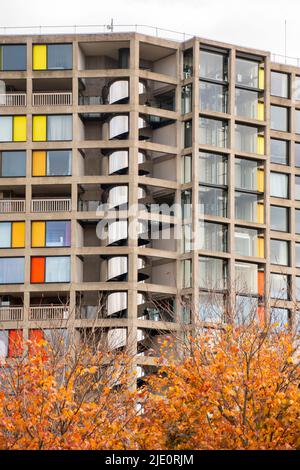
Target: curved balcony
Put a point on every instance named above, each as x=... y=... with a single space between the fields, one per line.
x=119 y=126
x=119 y=91
x=118 y=162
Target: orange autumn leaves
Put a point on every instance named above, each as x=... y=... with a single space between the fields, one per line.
x=235 y=389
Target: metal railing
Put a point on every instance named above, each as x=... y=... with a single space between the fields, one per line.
x=12 y=205
x=51 y=205
x=13 y=99
x=49 y=312
x=282 y=59
x=11 y=314
x=52 y=99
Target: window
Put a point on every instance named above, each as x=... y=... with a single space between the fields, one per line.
x=297 y=88
x=249 y=73
x=248 y=242
x=279 y=252
x=213 y=132
x=297 y=154
x=188 y=134
x=13 y=163
x=279 y=218
x=246 y=278
x=249 y=175
x=279 y=118
x=212 y=201
x=279 y=84
x=51 y=163
x=186 y=203
x=11 y=270
x=279 y=185
x=11 y=343
x=186 y=273
x=52 y=56
x=186 y=168
x=297 y=248
x=187 y=63
x=298 y=288
x=13 y=57
x=245 y=309
x=52 y=128
x=280 y=316
x=212 y=273
x=51 y=233
x=297 y=221
x=186 y=99
x=248 y=139
x=13 y=129
x=249 y=104
x=213 y=168
x=213 y=97
x=297 y=188
x=279 y=286
x=297 y=121
x=212 y=237
x=12 y=234
x=279 y=152
x=50 y=269
x=249 y=207
x=213 y=65
x=212 y=307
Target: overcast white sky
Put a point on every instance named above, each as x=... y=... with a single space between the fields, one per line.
x=253 y=23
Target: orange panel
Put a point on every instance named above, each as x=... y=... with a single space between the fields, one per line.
x=261 y=315
x=37 y=269
x=35 y=336
x=261 y=282
x=15 y=343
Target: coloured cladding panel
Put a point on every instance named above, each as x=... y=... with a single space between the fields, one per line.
x=39 y=163
x=38 y=234
x=18 y=235
x=39 y=57
x=20 y=132
x=39 y=132
x=37 y=269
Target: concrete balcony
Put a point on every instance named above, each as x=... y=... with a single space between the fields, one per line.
x=52 y=99
x=49 y=312
x=13 y=99
x=11 y=314
x=8 y=206
x=51 y=205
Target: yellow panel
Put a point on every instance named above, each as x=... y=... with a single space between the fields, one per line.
x=260 y=144
x=39 y=163
x=38 y=230
x=260 y=213
x=39 y=57
x=260 y=111
x=20 y=132
x=39 y=133
x=260 y=179
x=261 y=77
x=18 y=235
x=260 y=247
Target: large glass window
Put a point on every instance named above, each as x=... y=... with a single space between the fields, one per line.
x=59 y=162
x=246 y=278
x=213 y=65
x=247 y=175
x=297 y=221
x=13 y=57
x=249 y=207
x=279 y=118
x=212 y=307
x=247 y=242
x=297 y=248
x=213 y=132
x=59 y=127
x=297 y=154
x=245 y=309
x=247 y=73
x=212 y=168
x=279 y=185
x=59 y=56
x=247 y=138
x=297 y=121
x=297 y=88
x=212 y=201
x=280 y=316
x=186 y=273
x=279 y=152
x=279 y=286
x=297 y=188
x=186 y=99
x=11 y=270
x=279 y=252
x=13 y=163
x=279 y=218
x=280 y=84
x=212 y=273
x=6 y=128
x=57 y=269
x=187 y=134
x=5 y=234
x=213 y=97
x=248 y=104
x=298 y=288
x=212 y=237
x=58 y=233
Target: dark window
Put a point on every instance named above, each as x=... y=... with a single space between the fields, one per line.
x=59 y=56
x=13 y=163
x=13 y=57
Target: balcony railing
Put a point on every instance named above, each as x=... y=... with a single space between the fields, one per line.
x=13 y=99
x=52 y=99
x=12 y=205
x=51 y=205
x=49 y=312
x=11 y=314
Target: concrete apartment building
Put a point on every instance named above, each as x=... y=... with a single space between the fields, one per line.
x=92 y=125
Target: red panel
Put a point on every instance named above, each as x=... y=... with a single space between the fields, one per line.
x=261 y=282
x=35 y=336
x=37 y=269
x=15 y=343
